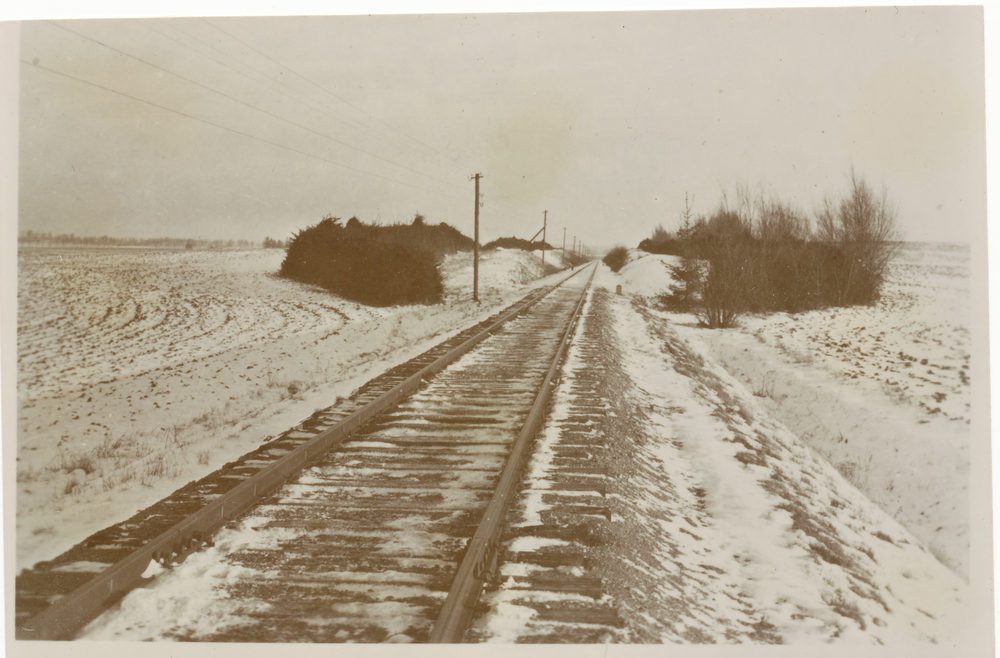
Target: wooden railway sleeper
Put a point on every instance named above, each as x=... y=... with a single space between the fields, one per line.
x=65 y=615
x=182 y=549
x=463 y=597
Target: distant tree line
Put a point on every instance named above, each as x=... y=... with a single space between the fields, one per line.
x=518 y=243
x=757 y=253
x=71 y=239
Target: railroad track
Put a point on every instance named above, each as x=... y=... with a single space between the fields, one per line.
x=393 y=535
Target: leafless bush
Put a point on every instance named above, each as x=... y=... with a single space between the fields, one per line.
x=762 y=254
x=864 y=225
x=661 y=234
x=615 y=259
x=857 y=471
x=764 y=387
x=78 y=461
x=723 y=287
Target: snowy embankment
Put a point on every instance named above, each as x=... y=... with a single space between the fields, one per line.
x=881 y=393
x=142 y=370
x=725 y=528
x=760 y=538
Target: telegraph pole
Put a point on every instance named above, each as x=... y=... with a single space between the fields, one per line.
x=545 y=222
x=564 y=243
x=475 y=247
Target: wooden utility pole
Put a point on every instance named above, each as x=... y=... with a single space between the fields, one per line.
x=564 y=243
x=475 y=248
x=545 y=223
x=574 y=249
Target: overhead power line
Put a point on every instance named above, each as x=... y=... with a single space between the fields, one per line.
x=238 y=132
x=327 y=91
x=308 y=102
x=253 y=107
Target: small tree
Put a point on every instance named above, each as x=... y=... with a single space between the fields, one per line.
x=684 y=293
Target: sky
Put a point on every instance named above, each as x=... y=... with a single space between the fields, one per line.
x=245 y=128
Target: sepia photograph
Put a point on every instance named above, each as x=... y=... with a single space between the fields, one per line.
x=454 y=324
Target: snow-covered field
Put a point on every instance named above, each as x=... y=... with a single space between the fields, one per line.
x=882 y=392
x=141 y=370
x=732 y=530
x=826 y=452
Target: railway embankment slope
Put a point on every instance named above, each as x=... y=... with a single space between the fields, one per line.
x=725 y=527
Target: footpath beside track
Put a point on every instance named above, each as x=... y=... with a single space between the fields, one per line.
x=417 y=477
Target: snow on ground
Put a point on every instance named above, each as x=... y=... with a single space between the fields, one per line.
x=737 y=532
x=880 y=392
x=725 y=527
x=142 y=370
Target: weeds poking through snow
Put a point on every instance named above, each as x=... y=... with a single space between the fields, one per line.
x=857 y=471
x=764 y=388
x=77 y=461
x=153 y=471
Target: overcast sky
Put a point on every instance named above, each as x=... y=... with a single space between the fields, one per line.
x=247 y=128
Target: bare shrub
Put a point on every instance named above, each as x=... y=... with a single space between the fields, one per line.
x=78 y=461
x=616 y=258
x=724 y=287
x=764 y=387
x=661 y=234
x=857 y=471
x=863 y=224
x=762 y=254
x=154 y=470
x=113 y=447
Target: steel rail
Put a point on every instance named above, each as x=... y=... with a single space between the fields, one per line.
x=481 y=555
x=67 y=615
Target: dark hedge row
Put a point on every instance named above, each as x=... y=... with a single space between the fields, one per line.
x=615 y=259
x=761 y=254
x=374 y=265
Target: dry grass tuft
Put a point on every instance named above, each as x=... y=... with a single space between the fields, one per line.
x=857 y=471
x=764 y=386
